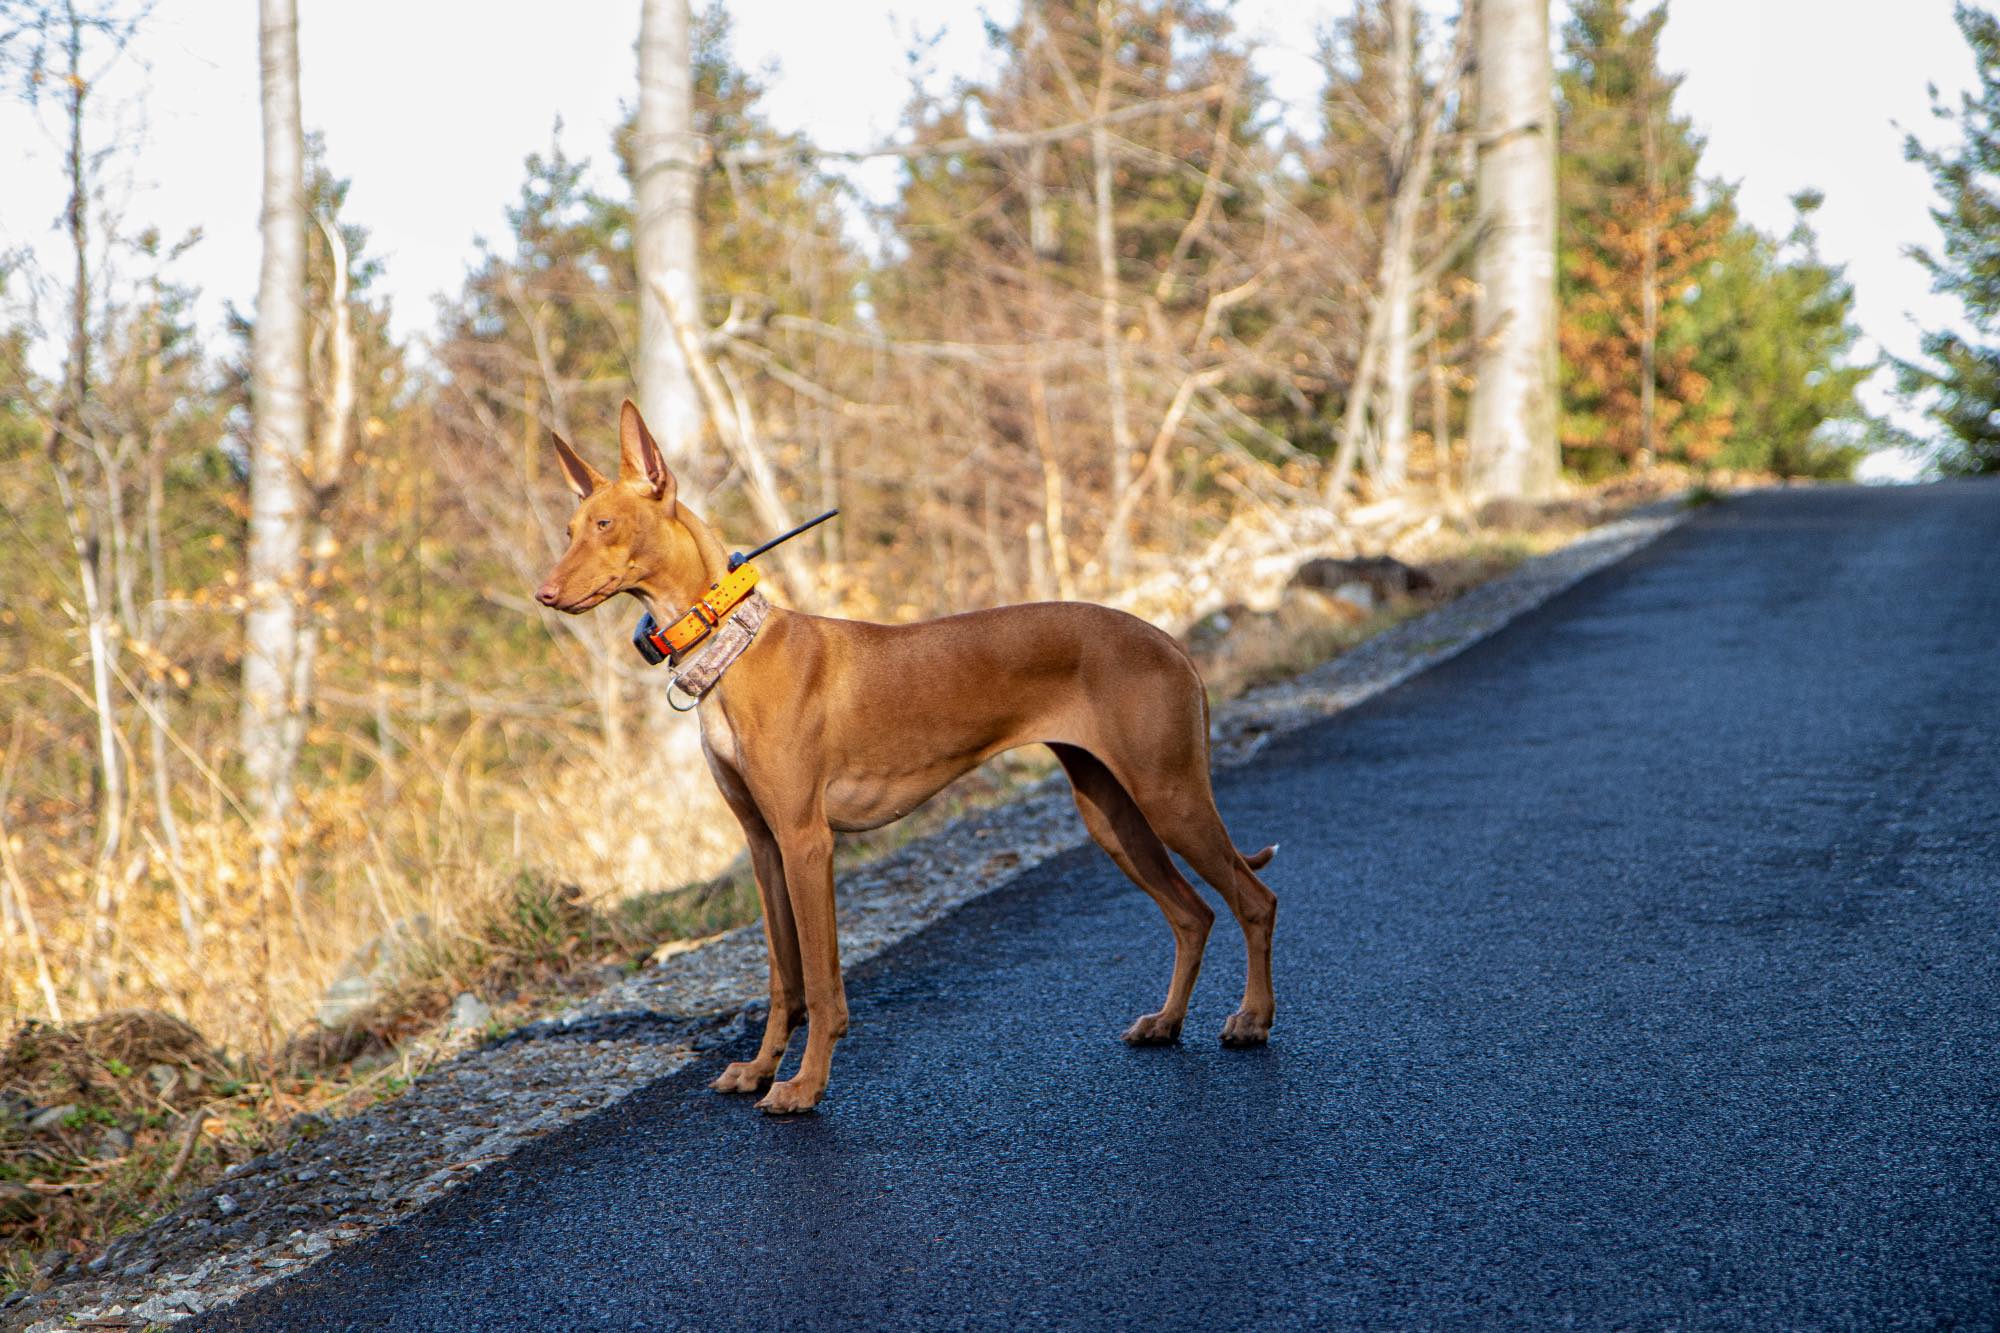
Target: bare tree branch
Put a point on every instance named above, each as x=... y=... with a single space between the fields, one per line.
x=998 y=141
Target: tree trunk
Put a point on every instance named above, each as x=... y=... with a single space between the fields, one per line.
x=278 y=426
x=328 y=464
x=153 y=631
x=665 y=167
x=1512 y=431
x=76 y=371
x=665 y=176
x=385 y=736
x=1649 y=279
x=19 y=912
x=1398 y=261
x=1440 y=401
x=1115 y=540
x=67 y=441
x=1396 y=280
x=1054 y=528
x=84 y=545
x=1048 y=541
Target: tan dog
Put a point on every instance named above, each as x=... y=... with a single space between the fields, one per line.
x=825 y=725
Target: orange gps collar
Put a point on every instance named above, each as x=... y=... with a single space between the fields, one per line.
x=700 y=620
x=657 y=645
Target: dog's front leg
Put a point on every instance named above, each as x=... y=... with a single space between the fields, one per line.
x=781 y=940
x=808 y=861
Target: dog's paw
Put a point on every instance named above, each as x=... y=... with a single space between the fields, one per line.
x=790 y=1098
x=743 y=1076
x=1154 y=1030
x=1246 y=1029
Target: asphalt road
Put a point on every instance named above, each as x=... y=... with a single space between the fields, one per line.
x=1636 y=968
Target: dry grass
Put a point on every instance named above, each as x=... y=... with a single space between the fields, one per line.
x=523 y=895
x=187 y=934
x=144 y=1110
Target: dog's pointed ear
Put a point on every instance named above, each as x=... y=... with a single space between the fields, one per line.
x=581 y=476
x=639 y=456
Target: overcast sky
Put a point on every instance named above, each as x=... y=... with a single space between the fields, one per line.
x=431 y=106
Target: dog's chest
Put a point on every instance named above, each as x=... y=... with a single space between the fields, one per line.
x=718 y=738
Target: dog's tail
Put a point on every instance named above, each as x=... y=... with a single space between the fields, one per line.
x=1260 y=859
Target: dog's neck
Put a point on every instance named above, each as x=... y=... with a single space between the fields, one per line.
x=668 y=593
x=668 y=598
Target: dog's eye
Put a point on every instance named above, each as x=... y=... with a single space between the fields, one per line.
x=603 y=523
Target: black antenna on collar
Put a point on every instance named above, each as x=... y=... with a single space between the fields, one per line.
x=738 y=560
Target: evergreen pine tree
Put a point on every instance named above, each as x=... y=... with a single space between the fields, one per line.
x=1774 y=325
x=1959 y=380
x=1633 y=241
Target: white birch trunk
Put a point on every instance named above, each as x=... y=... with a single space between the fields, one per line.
x=1649 y=282
x=1054 y=527
x=1414 y=157
x=1512 y=430
x=1116 y=541
x=72 y=436
x=278 y=416
x=665 y=177
x=323 y=477
x=97 y=629
x=665 y=174
x=156 y=686
x=1398 y=262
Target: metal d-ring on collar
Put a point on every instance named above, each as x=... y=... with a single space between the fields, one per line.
x=700 y=667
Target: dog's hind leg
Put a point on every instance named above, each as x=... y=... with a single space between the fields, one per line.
x=1121 y=830
x=1187 y=819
